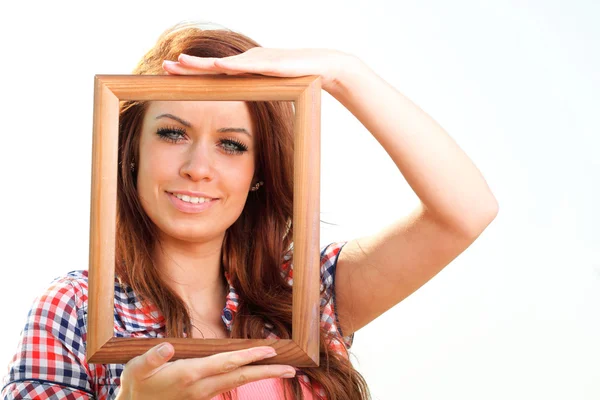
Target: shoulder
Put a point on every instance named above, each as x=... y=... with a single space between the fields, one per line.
x=72 y=288
x=64 y=294
x=62 y=305
x=132 y=316
x=50 y=357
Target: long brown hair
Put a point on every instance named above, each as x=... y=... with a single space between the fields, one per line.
x=253 y=247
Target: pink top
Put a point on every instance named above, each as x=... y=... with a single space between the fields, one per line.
x=266 y=389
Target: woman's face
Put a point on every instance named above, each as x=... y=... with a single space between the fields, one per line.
x=195 y=166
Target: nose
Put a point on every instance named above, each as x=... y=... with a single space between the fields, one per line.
x=198 y=164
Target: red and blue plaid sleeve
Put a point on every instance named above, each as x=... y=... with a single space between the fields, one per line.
x=50 y=359
x=329 y=317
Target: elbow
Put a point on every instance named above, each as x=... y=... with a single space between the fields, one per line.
x=483 y=219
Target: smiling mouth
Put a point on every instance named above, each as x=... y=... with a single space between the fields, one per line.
x=192 y=199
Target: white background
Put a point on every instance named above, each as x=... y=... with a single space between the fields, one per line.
x=515 y=83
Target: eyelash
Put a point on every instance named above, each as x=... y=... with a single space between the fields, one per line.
x=165 y=133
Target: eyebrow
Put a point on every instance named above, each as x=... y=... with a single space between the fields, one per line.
x=189 y=125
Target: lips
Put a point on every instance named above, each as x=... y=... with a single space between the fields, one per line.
x=192 y=199
x=191 y=194
x=190 y=208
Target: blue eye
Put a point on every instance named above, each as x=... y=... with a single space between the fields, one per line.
x=233 y=146
x=171 y=134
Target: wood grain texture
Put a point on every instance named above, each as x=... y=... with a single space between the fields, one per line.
x=121 y=350
x=307 y=159
x=303 y=349
x=205 y=87
x=103 y=217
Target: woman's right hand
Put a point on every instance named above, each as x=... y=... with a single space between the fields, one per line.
x=151 y=376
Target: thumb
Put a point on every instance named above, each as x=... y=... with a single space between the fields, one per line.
x=145 y=365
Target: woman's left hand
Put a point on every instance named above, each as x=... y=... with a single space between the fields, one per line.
x=270 y=62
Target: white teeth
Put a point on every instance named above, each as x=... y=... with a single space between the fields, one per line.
x=189 y=199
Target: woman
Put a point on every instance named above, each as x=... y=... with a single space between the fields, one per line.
x=204 y=213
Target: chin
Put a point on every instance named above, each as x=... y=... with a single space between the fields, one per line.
x=192 y=234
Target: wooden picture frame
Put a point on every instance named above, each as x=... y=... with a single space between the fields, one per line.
x=303 y=349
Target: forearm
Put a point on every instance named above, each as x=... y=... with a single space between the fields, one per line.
x=446 y=181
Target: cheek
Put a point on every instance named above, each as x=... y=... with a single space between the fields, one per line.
x=162 y=164
x=155 y=167
x=238 y=175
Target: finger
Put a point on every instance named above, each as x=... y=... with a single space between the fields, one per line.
x=197 y=62
x=258 y=60
x=218 y=384
x=188 y=371
x=206 y=64
x=147 y=364
x=250 y=65
x=228 y=361
x=237 y=64
x=176 y=68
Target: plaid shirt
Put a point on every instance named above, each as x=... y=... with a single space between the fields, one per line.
x=50 y=361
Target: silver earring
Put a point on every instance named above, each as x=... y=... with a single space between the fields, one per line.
x=255 y=187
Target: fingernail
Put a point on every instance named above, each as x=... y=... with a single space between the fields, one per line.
x=289 y=374
x=163 y=350
x=169 y=62
x=269 y=353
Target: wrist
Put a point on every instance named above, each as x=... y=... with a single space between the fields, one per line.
x=347 y=67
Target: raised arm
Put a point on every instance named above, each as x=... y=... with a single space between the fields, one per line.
x=376 y=272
